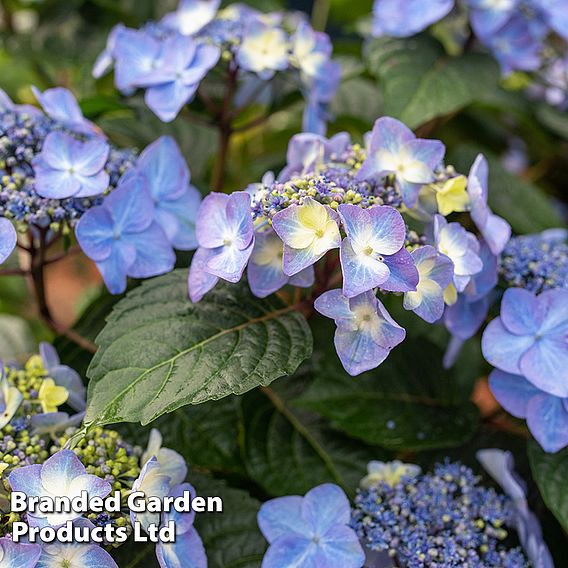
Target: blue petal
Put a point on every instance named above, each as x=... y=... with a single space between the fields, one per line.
x=16 y=555
x=187 y=551
x=266 y=279
x=165 y=169
x=282 y=517
x=168 y=99
x=8 y=239
x=464 y=319
x=360 y=272
x=512 y=391
x=211 y=221
x=303 y=279
x=358 y=351
x=130 y=205
x=545 y=364
x=230 y=262
x=389 y=134
x=154 y=254
x=547 y=420
x=333 y=304
x=290 y=552
x=114 y=269
x=95 y=233
x=520 y=312
x=27 y=480
x=503 y=349
x=340 y=548
x=200 y=281
x=325 y=506
x=403 y=275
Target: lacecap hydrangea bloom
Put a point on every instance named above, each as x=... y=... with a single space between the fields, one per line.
x=519 y=33
x=336 y=219
x=446 y=518
x=170 y=58
x=34 y=459
x=59 y=174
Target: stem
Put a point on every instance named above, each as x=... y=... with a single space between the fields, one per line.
x=224 y=125
x=320 y=13
x=37 y=273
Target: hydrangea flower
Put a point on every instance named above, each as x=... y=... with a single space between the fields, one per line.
x=308 y=231
x=53 y=423
x=365 y=332
x=406 y=18
x=67 y=167
x=264 y=49
x=391 y=473
x=10 y=398
x=373 y=252
x=546 y=414
x=321 y=93
x=175 y=201
x=311 y=51
x=8 y=239
x=172 y=464
x=536 y=262
x=495 y=230
x=74 y=554
x=191 y=15
x=153 y=482
x=310 y=531
x=488 y=17
x=307 y=152
x=436 y=272
x=461 y=247
x=122 y=237
x=530 y=338
x=60 y=105
x=188 y=549
x=394 y=149
x=61 y=475
x=17 y=555
x=174 y=80
x=435 y=518
x=64 y=376
x=225 y=235
x=265 y=274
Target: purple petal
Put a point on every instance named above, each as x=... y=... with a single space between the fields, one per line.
x=333 y=304
x=554 y=304
x=296 y=260
x=211 y=221
x=130 y=205
x=200 y=281
x=464 y=318
x=303 y=279
x=390 y=134
x=90 y=156
x=360 y=272
x=230 y=262
x=26 y=480
x=358 y=351
x=282 y=516
x=114 y=268
x=547 y=420
x=403 y=272
x=512 y=391
x=429 y=152
x=239 y=218
x=265 y=279
x=62 y=467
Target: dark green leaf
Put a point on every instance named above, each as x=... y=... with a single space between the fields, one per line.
x=405 y=404
x=289 y=451
x=159 y=351
x=232 y=538
x=421 y=82
x=550 y=471
x=510 y=196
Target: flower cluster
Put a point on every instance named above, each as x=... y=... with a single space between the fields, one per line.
x=59 y=173
x=408 y=519
x=170 y=58
x=34 y=459
x=344 y=201
x=517 y=32
x=403 y=518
